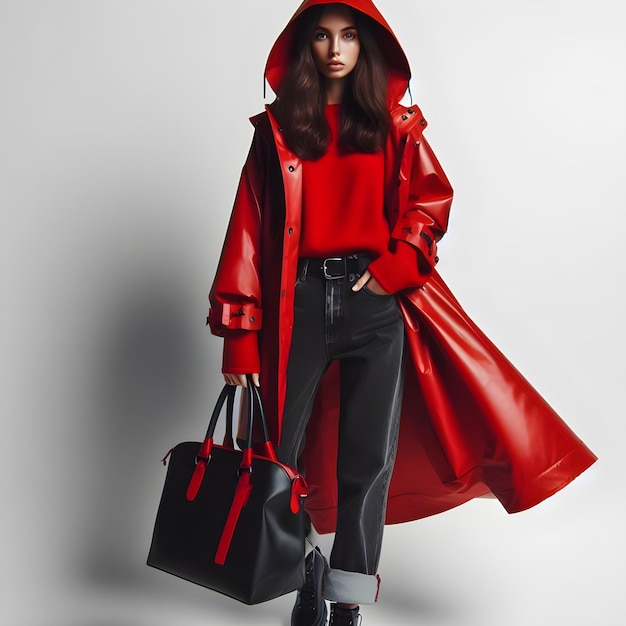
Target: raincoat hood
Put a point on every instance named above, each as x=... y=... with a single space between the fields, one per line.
x=398 y=69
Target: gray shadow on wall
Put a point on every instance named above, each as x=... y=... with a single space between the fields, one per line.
x=144 y=391
x=154 y=381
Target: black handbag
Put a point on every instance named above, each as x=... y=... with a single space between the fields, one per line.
x=232 y=520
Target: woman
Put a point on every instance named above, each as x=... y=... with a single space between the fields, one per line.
x=331 y=241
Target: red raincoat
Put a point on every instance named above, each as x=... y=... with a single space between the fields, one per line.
x=471 y=425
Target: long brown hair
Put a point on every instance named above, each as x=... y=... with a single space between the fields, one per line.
x=301 y=100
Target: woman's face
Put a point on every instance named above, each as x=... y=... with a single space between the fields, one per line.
x=336 y=46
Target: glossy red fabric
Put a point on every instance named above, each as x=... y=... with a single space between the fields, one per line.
x=471 y=424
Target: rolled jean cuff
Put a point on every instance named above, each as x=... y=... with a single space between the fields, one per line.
x=350 y=587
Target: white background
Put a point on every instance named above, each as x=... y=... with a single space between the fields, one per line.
x=122 y=133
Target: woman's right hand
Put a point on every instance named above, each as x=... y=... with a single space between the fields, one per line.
x=240 y=379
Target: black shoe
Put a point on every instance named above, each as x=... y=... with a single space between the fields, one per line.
x=344 y=617
x=310 y=608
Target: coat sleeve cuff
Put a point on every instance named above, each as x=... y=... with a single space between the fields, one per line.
x=399 y=269
x=228 y=316
x=420 y=236
x=241 y=352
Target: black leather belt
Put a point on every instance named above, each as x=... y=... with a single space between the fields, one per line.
x=334 y=267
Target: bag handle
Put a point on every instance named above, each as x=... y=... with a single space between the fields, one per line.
x=227 y=394
x=254 y=401
x=255 y=394
x=203 y=457
x=228 y=441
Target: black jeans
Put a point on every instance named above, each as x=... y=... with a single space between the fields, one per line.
x=365 y=333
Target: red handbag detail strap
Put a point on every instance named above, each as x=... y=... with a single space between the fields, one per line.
x=203 y=457
x=298 y=491
x=268 y=448
x=246 y=459
x=242 y=493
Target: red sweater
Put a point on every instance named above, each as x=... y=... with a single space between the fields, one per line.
x=343 y=212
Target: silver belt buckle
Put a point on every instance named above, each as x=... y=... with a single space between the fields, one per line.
x=328 y=276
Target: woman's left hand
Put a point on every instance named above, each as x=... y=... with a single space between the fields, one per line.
x=372 y=284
